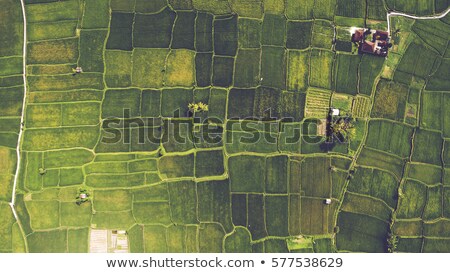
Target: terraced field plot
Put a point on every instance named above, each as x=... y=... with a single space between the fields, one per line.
x=252 y=173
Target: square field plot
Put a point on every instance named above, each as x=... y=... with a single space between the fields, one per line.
x=246 y=173
x=277 y=211
x=91 y=50
x=176 y=166
x=273 y=67
x=175 y=102
x=223 y=71
x=121 y=102
x=321 y=68
x=298 y=70
x=226 y=36
x=112 y=200
x=361 y=233
x=43 y=214
x=184 y=30
x=96 y=14
x=148 y=67
x=217 y=193
x=53 y=51
x=240 y=103
x=316 y=217
x=427 y=147
x=298 y=35
x=249 y=33
x=203 y=69
x=296 y=10
x=323 y=34
x=267 y=102
x=203 y=32
x=118 y=68
x=347 y=73
x=390 y=100
x=180 y=68
x=121 y=36
x=273 y=30
x=153 y=30
x=380 y=137
x=209 y=163
x=247 y=66
x=73 y=215
x=253 y=9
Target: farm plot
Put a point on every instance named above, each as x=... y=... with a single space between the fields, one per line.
x=439 y=81
x=274 y=30
x=322 y=35
x=321 y=68
x=7 y=227
x=433 y=105
x=369 y=69
x=249 y=33
x=7 y=165
x=246 y=173
x=299 y=11
x=366 y=205
x=324 y=9
x=427 y=147
x=273 y=67
x=375 y=183
x=416 y=64
x=238 y=241
x=247 y=67
x=390 y=104
x=379 y=137
x=342 y=102
x=251 y=136
x=297 y=70
x=317 y=103
x=347 y=73
x=214 y=203
x=361 y=233
x=413 y=200
x=361 y=107
x=428 y=174
x=298 y=35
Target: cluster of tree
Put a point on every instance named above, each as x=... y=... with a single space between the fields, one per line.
x=342 y=128
x=82 y=196
x=198 y=107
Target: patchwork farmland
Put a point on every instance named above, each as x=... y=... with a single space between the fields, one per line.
x=109 y=103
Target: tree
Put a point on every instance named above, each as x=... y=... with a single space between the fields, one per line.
x=343 y=129
x=392 y=242
x=82 y=196
x=198 y=107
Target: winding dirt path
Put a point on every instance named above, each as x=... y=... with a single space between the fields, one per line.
x=436 y=16
x=22 y=117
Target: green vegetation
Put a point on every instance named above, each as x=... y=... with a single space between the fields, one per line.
x=126 y=143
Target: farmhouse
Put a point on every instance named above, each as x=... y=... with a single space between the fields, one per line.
x=372 y=42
